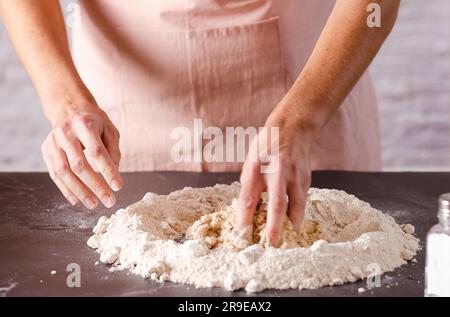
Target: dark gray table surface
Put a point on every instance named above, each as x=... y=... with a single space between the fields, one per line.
x=40 y=232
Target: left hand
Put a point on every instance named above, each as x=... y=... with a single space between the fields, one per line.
x=288 y=174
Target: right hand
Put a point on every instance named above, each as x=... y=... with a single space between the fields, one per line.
x=79 y=143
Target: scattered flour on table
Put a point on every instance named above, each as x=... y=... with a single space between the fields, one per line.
x=340 y=239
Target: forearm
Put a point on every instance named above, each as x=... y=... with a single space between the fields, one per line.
x=37 y=30
x=343 y=52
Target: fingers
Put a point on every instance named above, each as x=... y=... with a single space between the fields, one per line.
x=63 y=188
x=298 y=191
x=252 y=186
x=67 y=151
x=111 y=141
x=67 y=193
x=100 y=156
x=82 y=169
x=63 y=174
x=296 y=205
x=276 y=211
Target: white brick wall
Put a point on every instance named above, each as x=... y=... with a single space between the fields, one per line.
x=411 y=75
x=22 y=124
x=412 y=78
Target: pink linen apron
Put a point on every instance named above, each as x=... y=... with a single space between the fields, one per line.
x=154 y=66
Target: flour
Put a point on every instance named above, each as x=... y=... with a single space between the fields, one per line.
x=340 y=238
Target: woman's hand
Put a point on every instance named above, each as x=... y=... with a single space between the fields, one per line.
x=330 y=73
x=82 y=138
x=80 y=142
x=287 y=174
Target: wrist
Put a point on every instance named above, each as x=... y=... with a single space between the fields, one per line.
x=288 y=118
x=60 y=105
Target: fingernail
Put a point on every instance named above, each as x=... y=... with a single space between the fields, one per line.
x=89 y=203
x=116 y=185
x=72 y=200
x=108 y=200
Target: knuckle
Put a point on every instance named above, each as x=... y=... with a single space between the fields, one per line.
x=298 y=199
x=61 y=170
x=279 y=205
x=247 y=202
x=108 y=170
x=283 y=161
x=99 y=188
x=82 y=118
x=85 y=120
x=272 y=233
x=305 y=181
x=78 y=166
x=306 y=175
x=64 y=129
x=96 y=151
x=305 y=188
x=103 y=192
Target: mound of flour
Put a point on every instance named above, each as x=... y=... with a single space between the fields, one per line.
x=188 y=237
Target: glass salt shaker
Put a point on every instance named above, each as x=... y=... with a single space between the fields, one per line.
x=437 y=269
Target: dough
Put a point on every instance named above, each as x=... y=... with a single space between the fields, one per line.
x=216 y=230
x=188 y=237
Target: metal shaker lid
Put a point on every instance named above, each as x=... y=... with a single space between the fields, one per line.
x=444 y=204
